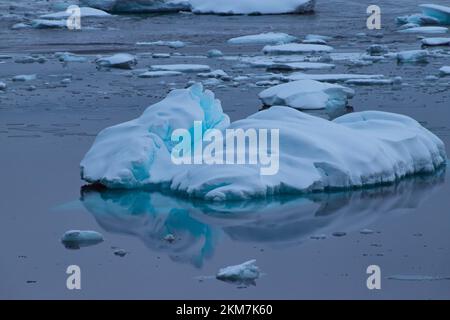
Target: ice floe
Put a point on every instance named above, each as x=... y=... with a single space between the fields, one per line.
x=441 y=13
x=264 y=38
x=444 y=71
x=355 y=150
x=158 y=74
x=307 y=95
x=118 y=60
x=436 y=41
x=171 y=44
x=369 y=82
x=412 y=56
x=181 y=67
x=296 y=48
x=245 y=273
x=430 y=30
x=75 y=239
x=218 y=74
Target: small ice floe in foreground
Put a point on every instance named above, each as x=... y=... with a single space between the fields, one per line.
x=25 y=77
x=69 y=57
x=444 y=71
x=252 y=6
x=441 y=13
x=430 y=30
x=413 y=56
x=85 y=12
x=214 y=53
x=171 y=44
x=158 y=74
x=331 y=77
x=416 y=277
x=355 y=150
x=75 y=239
x=245 y=273
x=307 y=95
x=48 y=24
x=296 y=48
x=301 y=66
x=119 y=60
x=436 y=41
x=417 y=19
x=181 y=67
x=2 y=85
x=264 y=38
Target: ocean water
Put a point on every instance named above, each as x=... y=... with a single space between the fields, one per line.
x=307 y=247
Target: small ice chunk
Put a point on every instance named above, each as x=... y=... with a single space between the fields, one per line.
x=318 y=237
x=245 y=273
x=316 y=41
x=24 y=77
x=418 y=19
x=20 y=26
x=413 y=56
x=369 y=82
x=161 y=55
x=169 y=238
x=339 y=234
x=120 y=252
x=214 y=53
x=2 y=85
x=119 y=60
x=171 y=44
x=181 y=67
x=436 y=41
x=332 y=77
x=441 y=13
x=301 y=66
x=75 y=239
x=69 y=57
x=157 y=74
x=312 y=37
x=296 y=48
x=430 y=30
x=377 y=49
x=307 y=95
x=218 y=74
x=264 y=38
x=444 y=71
x=85 y=12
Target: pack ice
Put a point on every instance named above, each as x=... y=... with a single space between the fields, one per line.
x=355 y=150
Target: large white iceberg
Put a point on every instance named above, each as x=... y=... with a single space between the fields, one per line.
x=355 y=150
x=307 y=95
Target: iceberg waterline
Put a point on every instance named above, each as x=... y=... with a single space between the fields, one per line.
x=355 y=150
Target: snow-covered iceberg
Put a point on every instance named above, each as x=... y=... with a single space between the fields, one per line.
x=307 y=95
x=441 y=13
x=355 y=150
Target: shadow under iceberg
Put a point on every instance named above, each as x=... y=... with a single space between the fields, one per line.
x=282 y=221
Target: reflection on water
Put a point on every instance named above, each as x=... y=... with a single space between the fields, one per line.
x=198 y=226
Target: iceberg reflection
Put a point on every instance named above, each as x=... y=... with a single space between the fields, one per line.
x=198 y=225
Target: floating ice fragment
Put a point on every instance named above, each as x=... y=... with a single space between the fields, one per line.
x=24 y=77
x=171 y=44
x=31 y=59
x=413 y=56
x=120 y=252
x=301 y=66
x=296 y=48
x=367 y=231
x=436 y=41
x=69 y=57
x=264 y=38
x=75 y=239
x=369 y=82
x=181 y=67
x=417 y=19
x=441 y=13
x=119 y=60
x=332 y=77
x=169 y=238
x=2 y=85
x=48 y=24
x=245 y=273
x=444 y=71
x=219 y=74
x=157 y=74
x=307 y=95
x=138 y=6
x=430 y=30
x=214 y=53
x=416 y=277
x=377 y=49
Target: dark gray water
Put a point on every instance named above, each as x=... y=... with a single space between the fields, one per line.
x=45 y=132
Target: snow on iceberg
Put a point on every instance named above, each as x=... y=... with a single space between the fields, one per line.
x=296 y=48
x=441 y=13
x=245 y=273
x=263 y=38
x=252 y=6
x=307 y=95
x=355 y=150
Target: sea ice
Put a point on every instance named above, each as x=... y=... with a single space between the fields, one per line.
x=441 y=13
x=296 y=48
x=413 y=56
x=244 y=273
x=436 y=41
x=354 y=150
x=119 y=60
x=369 y=82
x=181 y=67
x=430 y=30
x=264 y=38
x=444 y=71
x=307 y=95
x=75 y=239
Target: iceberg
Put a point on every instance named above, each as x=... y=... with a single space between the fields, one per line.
x=436 y=42
x=264 y=38
x=119 y=60
x=85 y=12
x=252 y=6
x=444 y=71
x=245 y=273
x=413 y=56
x=355 y=150
x=441 y=13
x=181 y=67
x=296 y=48
x=307 y=95
x=138 y=6
x=430 y=30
